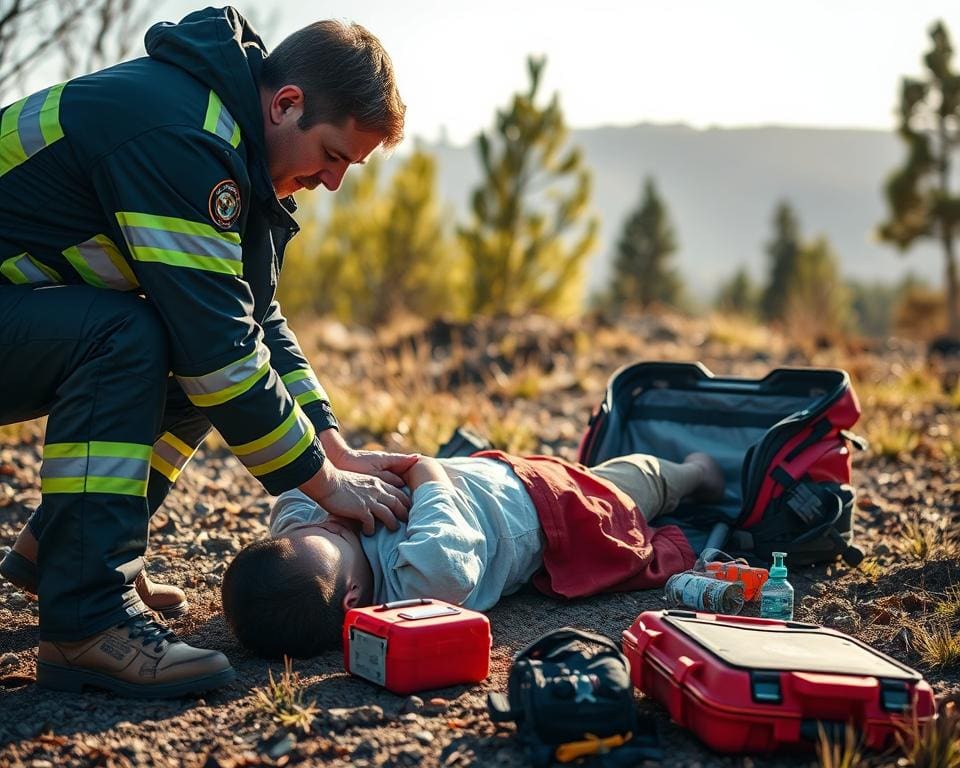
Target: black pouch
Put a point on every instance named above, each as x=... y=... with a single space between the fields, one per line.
x=463 y=442
x=571 y=696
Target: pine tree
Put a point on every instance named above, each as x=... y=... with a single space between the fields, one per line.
x=529 y=235
x=784 y=253
x=818 y=302
x=921 y=201
x=377 y=253
x=642 y=274
x=738 y=295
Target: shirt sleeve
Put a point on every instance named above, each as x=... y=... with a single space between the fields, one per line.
x=293 y=508
x=295 y=371
x=442 y=554
x=168 y=197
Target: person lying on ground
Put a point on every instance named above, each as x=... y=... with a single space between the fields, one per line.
x=479 y=528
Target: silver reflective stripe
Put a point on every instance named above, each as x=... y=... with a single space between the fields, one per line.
x=28 y=126
x=31 y=271
x=171 y=455
x=304 y=385
x=97 y=258
x=225 y=125
x=117 y=466
x=182 y=242
x=281 y=445
x=228 y=376
x=64 y=467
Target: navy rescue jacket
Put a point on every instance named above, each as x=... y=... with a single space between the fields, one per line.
x=151 y=176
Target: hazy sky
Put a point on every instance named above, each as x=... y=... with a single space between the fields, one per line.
x=702 y=62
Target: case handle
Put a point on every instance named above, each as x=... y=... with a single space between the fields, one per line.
x=835 y=686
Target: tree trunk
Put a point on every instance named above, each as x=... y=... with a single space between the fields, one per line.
x=952 y=286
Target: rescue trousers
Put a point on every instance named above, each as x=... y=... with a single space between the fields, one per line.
x=119 y=431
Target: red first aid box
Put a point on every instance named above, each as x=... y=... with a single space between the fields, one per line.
x=416 y=645
x=752 y=685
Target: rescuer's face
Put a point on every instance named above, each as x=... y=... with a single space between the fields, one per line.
x=319 y=156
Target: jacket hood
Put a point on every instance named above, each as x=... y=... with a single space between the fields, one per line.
x=220 y=49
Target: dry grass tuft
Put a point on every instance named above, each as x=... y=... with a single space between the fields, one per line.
x=833 y=753
x=948 y=608
x=938 y=646
x=891 y=436
x=935 y=745
x=282 y=700
x=922 y=540
x=871 y=569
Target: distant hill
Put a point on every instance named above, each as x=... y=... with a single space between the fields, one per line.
x=721 y=186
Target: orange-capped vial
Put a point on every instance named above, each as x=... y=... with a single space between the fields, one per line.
x=752 y=578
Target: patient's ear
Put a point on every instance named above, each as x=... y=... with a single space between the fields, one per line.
x=352 y=597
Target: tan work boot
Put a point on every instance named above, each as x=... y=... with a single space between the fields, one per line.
x=139 y=658
x=20 y=567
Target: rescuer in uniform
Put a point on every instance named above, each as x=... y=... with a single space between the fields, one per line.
x=144 y=210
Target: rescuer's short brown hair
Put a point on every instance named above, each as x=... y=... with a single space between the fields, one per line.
x=343 y=72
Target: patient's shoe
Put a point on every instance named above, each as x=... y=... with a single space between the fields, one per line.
x=139 y=658
x=19 y=567
x=713 y=483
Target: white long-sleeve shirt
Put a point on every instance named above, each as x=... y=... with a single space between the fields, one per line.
x=467 y=545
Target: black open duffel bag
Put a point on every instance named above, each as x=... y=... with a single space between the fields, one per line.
x=783 y=442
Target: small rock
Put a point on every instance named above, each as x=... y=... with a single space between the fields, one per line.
x=282 y=747
x=881 y=550
x=211 y=580
x=410 y=704
x=411 y=717
x=9 y=659
x=202 y=508
x=17 y=602
x=424 y=737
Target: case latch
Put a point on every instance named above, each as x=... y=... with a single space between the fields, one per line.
x=895 y=695
x=765 y=687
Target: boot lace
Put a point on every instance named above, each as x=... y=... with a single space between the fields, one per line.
x=151 y=631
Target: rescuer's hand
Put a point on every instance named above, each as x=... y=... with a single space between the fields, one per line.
x=388 y=467
x=356 y=496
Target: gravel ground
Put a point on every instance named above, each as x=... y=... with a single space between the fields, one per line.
x=216 y=509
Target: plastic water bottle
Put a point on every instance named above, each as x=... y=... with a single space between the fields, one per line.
x=776 y=597
x=704 y=593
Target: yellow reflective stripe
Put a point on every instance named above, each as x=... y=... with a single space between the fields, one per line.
x=118 y=485
x=24 y=269
x=182 y=448
x=281 y=461
x=173 y=224
x=181 y=243
x=214 y=105
x=170 y=455
x=50 y=485
x=64 y=450
x=165 y=469
x=96 y=467
x=12 y=153
x=263 y=451
x=50 y=116
x=28 y=126
x=220 y=122
x=99 y=263
x=229 y=382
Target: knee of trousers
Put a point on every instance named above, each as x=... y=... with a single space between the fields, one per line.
x=130 y=337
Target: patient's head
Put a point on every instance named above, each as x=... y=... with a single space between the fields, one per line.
x=288 y=595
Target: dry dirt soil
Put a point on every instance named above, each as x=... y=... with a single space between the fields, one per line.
x=531 y=384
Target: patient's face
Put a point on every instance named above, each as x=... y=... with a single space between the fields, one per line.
x=334 y=545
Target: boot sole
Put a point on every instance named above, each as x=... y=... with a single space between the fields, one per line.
x=59 y=678
x=21 y=572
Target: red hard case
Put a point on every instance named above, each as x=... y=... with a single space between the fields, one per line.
x=752 y=685
x=415 y=645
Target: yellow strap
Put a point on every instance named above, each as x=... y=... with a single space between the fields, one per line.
x=590 y=746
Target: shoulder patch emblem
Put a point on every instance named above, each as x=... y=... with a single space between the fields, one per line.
x=225 y=203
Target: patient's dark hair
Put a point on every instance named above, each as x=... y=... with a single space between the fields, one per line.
x=276 y=606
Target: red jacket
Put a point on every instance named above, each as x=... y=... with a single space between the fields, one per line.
x=597 y=538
